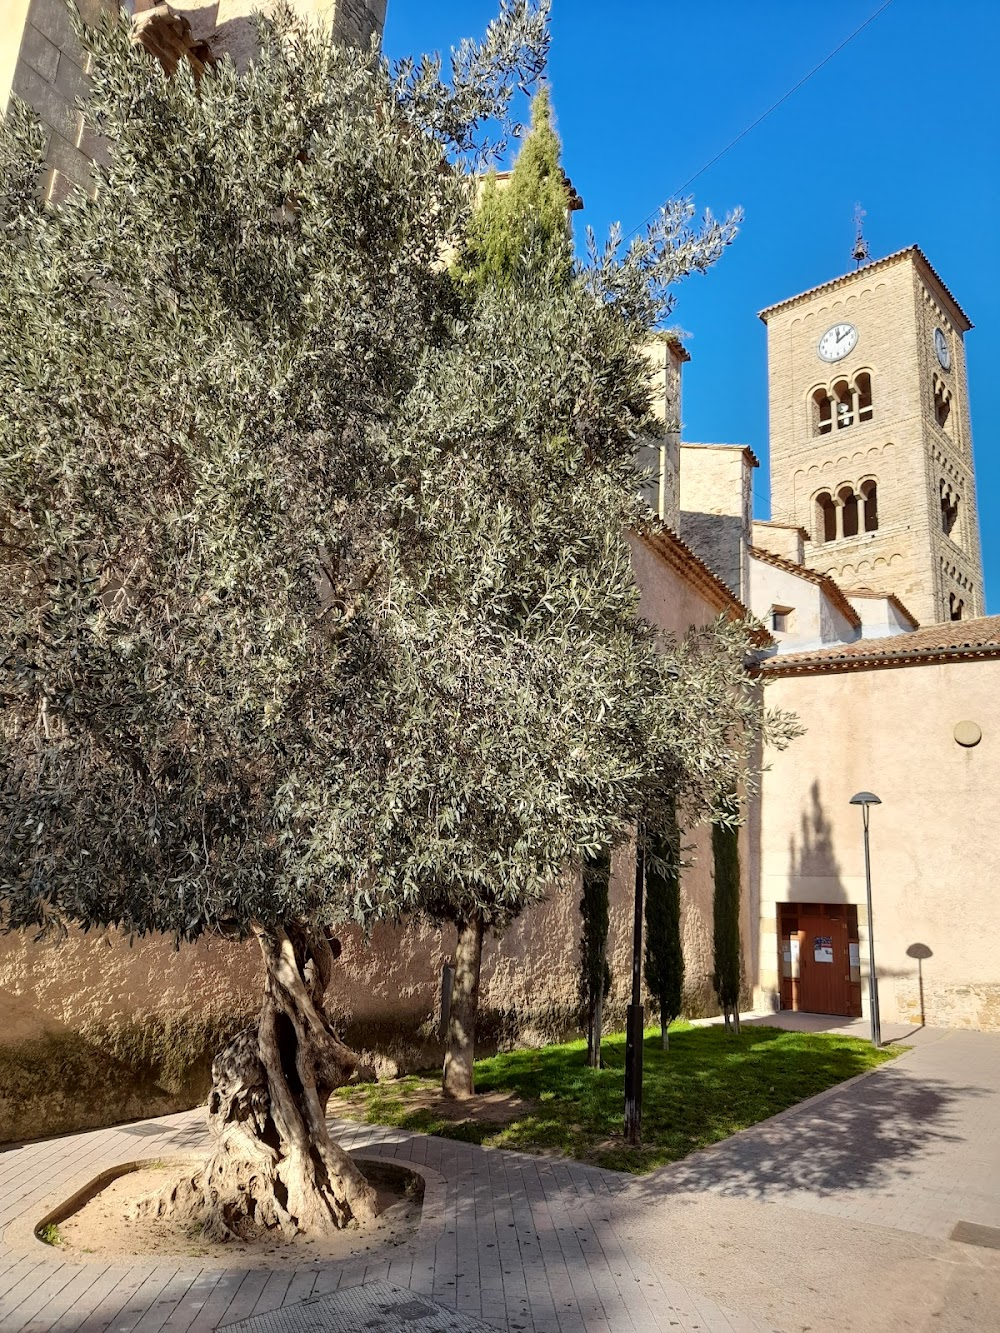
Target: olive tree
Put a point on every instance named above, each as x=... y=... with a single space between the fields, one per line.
x=200 y=363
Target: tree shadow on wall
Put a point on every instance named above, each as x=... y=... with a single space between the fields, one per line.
x=811 y=854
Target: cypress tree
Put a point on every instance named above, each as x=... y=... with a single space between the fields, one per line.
x=664 y=967
x=520 y=229
x=726 y=921
x=595 y=976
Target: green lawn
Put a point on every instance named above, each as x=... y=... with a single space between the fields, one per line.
x=706 y=1087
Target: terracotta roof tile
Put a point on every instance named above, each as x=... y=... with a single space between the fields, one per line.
x=959 y=638
x=894 y=258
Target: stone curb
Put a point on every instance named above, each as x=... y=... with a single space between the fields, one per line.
x=21 y=1235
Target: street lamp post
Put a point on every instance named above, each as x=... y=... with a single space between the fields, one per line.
x=866 y=799
x=635 y=1022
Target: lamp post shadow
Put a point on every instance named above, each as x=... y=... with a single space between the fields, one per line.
x=920 y=952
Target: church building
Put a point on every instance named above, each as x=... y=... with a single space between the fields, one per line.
x=868 y=580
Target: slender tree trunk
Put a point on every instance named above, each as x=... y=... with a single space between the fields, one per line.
x=274 y=1167
x=596 y=1028
x=594 y=949
x=665 y=1029
x=460 y=1053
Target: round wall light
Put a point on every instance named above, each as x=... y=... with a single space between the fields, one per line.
x=968 y=733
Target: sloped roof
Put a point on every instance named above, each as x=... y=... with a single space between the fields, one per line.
x=958 y=639
x=823 y=581
x=884 y=597
x=679 y=556
x=912 y=250
x=699 y=444
x=788 y=527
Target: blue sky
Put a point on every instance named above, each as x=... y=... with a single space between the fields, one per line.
x=903 y=120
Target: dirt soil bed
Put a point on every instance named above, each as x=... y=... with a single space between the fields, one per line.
x=99 y=1229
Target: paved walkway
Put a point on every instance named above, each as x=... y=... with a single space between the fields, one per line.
x=833 y=1216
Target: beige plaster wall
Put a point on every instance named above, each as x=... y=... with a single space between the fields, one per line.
x=673 y=605
x=813 y=620
x=935 y=853
x=879 y=617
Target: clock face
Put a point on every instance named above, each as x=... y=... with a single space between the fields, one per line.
x=837 y=342
x=942 y=349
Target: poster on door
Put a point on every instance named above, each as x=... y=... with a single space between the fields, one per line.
x=823 y=948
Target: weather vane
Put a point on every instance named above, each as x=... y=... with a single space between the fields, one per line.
x=860 y=252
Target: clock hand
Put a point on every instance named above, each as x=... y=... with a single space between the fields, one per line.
x=842 y=336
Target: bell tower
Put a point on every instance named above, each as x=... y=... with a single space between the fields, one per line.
x=871 y=444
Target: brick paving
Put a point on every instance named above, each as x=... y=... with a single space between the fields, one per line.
x=530 y=1244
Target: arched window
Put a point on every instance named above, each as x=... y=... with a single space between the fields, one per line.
x=844 y=403
x=869 y=500
x=849 y=504
x=822 y=412
x=949 y=508
x=863 y=388
x=942 y=404
x=826 y=518
x=956 y=607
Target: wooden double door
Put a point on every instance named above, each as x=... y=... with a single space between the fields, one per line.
x=820 y=966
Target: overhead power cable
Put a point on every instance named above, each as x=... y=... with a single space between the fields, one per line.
x=761 y=118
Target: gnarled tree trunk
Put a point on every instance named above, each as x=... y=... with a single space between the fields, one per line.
x=460 y=1052
x=274 y=1167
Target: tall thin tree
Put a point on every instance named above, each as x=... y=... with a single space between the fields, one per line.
x=594 y=972
x=726 y=915
x=664 y=963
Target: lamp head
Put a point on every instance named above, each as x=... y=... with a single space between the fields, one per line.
x=865 y=798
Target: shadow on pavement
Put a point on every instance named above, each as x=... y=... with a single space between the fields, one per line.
x=856 y=1138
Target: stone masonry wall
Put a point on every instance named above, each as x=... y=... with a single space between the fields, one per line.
x=715 y=509
x=49 y=75
x=895 y=307
x=42 y=63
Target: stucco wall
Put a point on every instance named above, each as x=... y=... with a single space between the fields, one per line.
x=879 y=616
x=673 y=605
x=812 y=621
x=935 y=854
